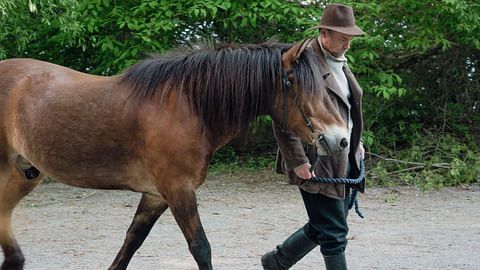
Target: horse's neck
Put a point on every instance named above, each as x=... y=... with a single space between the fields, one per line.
x=218 y=141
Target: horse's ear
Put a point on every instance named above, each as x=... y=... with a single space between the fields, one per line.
x=294 y=53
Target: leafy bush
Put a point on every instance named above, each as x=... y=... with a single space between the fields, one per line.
x=433 y=161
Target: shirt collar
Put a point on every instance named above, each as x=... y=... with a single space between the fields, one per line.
x=328 y=55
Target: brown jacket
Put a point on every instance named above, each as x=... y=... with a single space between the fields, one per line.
x=293 y=152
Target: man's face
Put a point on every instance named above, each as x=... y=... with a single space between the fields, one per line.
x=335 y=42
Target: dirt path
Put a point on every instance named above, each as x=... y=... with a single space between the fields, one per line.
x=59 y=227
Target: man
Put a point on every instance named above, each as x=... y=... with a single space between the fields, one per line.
x=326 y=204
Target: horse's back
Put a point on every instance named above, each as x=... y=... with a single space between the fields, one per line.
x=17 y=70
x=29 y=76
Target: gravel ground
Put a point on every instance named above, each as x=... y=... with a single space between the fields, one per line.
x=61 y=227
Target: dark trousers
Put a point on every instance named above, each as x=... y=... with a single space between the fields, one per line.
x=328 y=221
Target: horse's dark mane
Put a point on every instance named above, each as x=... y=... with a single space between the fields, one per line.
x=228 y=86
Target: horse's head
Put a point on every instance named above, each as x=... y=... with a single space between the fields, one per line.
x=305 y=106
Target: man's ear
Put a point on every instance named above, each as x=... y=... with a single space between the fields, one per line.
x=294 y=53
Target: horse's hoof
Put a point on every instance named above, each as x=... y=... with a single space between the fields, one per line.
x=13 y=264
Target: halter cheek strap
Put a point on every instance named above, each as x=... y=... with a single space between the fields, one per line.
x=286 y=84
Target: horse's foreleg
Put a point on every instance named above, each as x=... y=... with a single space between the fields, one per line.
x=148 y=212
x=13 y=191
x=183 y=204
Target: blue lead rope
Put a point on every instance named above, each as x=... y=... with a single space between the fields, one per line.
x=351 y=181
x=353 y=200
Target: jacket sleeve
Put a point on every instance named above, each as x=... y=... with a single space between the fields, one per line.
x=291 y=147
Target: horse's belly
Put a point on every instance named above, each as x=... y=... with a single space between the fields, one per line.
x=91 y=155
x=81 y=160
x=128 y=177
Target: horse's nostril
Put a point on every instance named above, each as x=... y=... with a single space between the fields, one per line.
x=344 y=143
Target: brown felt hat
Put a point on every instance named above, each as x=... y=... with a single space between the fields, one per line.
x=339 y=18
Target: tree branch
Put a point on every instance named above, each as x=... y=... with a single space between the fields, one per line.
x=418 y=165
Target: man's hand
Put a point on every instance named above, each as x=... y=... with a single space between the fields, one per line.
x=362 y=150
x=304 y=171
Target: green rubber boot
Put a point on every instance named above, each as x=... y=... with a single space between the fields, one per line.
x=295 y=247
x=335 y=262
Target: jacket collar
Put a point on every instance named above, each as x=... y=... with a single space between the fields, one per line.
x=328 y=78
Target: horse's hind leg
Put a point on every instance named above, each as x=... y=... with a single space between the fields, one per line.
x=183 y=204
x=11 y=193
x=148 y=212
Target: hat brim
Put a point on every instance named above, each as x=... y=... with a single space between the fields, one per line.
x=350 y=30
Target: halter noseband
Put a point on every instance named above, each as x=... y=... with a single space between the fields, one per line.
x=319 y=140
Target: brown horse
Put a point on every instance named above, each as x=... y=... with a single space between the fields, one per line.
x=153 y=129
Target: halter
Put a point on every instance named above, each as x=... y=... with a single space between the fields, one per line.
x=317 y=137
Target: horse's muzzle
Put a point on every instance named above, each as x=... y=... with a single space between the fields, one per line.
x=326 y=146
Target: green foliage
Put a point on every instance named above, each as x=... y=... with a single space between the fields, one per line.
x=105 y=37
x=227 y=159
x=432 y=162
x=419 y=66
